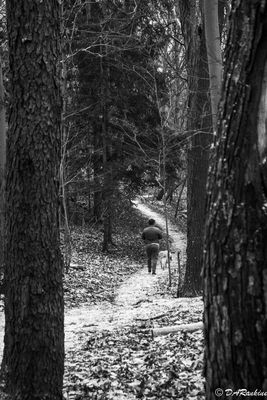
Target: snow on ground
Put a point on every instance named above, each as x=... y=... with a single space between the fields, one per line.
x=135 y=300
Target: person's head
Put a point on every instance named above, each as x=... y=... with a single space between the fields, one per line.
x=151 y=221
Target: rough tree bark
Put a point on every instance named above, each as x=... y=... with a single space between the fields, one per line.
x=34 y=334
x=199 y=129
x=235 y=261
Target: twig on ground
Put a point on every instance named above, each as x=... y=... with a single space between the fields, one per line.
x=141 y=301
x=151 y=318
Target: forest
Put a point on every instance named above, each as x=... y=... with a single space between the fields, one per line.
x=133 y=199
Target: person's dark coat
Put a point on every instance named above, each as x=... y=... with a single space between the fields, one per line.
x=151 y=234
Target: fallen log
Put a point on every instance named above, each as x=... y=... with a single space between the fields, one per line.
x=177 y=328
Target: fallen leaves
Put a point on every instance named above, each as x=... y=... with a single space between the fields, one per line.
x=93 y=275
x=129 y=364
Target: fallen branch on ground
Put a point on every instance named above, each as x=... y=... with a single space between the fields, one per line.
x=141 y=301
x=150 y=318
x=177 y=328
x=77 y=266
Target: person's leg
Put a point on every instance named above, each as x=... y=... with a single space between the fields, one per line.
x=154 y=257
x=148 y=252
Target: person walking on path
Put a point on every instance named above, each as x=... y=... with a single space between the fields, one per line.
x=151 y=236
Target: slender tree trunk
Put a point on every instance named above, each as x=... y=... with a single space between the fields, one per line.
x=213 y=45
x=64 y=202
x=107 y=194
x=160 y=194
x=88 y=11
x=179 y=198
x=2 y=166
x=34 y=334
x=106 y=181
x=97 y=197
x=89 y=183
x=62 y=170
x=97 y=163
x=107 y=167
x=235 y=261
x=163 y=140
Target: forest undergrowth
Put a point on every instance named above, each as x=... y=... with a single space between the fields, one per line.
x=93 y=275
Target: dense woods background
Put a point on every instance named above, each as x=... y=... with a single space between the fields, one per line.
x=110 y=101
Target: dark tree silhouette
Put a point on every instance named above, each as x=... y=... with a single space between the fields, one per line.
x=34 y=335
x=235 y=262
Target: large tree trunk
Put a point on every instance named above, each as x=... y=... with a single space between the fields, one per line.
x=235 y=262
x=199 y=128
x=34 y=335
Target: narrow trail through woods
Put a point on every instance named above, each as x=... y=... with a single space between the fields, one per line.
x=136 y=299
